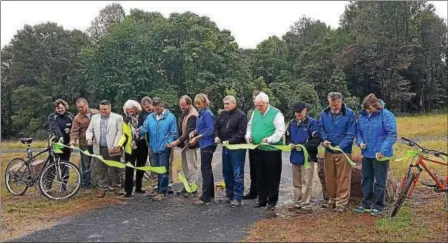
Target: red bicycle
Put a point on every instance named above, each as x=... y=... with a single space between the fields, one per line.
x=410 y=179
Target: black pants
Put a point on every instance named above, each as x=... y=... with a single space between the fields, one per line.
x=253 y=173
x=269 y=172
x=137 y=158
x=208 y=182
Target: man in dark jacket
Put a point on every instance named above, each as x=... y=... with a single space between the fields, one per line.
x=190 y=153
x=302 y=130
x=230 y=128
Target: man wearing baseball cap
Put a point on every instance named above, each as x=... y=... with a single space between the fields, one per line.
x=302 y=130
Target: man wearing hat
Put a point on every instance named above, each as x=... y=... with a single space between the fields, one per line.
x=302 y=130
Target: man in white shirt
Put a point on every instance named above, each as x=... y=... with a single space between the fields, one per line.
x=266 y=126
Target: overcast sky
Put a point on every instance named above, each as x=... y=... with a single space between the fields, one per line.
x=250 y=22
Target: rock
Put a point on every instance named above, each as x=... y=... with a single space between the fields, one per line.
x=355 y=188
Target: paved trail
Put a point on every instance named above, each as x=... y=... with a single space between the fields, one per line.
x=173 y=220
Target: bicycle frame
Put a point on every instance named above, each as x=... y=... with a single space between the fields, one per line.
x=51 y=157
x=421 y=165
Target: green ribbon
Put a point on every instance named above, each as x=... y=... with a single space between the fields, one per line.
x=409 y=154
x=57 y=148
x=188 y=187
x=337 y=148
x=286 y=148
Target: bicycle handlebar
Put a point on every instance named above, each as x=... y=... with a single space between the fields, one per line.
x=425 y=150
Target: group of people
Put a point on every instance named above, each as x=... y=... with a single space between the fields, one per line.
x=149 y=130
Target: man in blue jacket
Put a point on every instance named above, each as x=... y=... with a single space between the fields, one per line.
x=337 y=128
x=302 y=130
x=162 y=128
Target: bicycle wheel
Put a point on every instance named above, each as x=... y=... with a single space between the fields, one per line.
x=403 y=194
x=62 y=183
x=17 y=176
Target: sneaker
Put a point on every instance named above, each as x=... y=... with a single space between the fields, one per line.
x=339 y=209
x=182 y=192
x=128 y=196
x=235 y=203
x=199 y=202
x=140 y=191
x=100 y=194
x=159 y=197
x=328 y=205
x=295 y=207
x=258 y=205
x=270 y=207
x=305 y=210
x=170 y=188
x=191 y=194
x=152 y=193
x=375 y=212
x=361 y=209
x=225 y=200
x=250 y=195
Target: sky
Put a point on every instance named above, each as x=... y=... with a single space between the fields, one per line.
x=250 y=22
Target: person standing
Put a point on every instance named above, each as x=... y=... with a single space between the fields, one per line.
x=266 y=126
x=59 y=123
x=304 y=130
x=129 y=140
x=376 y=134
x=104 y=133
x=253 y=192
x=190 y=153
x=161 y=125
x=337 y=128
x=230 y=128
x=143 y=149
x=204 y=135
x=78 y=136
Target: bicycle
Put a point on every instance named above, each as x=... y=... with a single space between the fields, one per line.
x=411 y=177
x=19 y=175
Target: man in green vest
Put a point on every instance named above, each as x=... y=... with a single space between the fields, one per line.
x=266 y=126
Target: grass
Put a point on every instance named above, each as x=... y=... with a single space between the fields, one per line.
x=432 y=125
x=19 y=145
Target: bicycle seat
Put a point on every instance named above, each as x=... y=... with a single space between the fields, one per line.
x=26 y=140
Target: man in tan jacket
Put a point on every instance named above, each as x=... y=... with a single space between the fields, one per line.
x=190 y=154
x=78 y=137
x=104 y=133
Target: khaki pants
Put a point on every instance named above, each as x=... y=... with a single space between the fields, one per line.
x=302 y=180
x=337 y=178
x=190 y=164
x=104 y=175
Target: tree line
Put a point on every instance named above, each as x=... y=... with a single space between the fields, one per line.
x=397 y=50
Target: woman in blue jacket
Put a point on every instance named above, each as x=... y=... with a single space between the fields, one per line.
x=205 y=126
x=376 y=134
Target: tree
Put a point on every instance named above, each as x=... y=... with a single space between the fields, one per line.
x=108 y=17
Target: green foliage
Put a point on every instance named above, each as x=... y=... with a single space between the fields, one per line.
x=397 y=50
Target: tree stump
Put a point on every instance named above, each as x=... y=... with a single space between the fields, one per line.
x=355 y=188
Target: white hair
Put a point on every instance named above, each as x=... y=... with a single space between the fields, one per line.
x=131 y=104
x=262 y=97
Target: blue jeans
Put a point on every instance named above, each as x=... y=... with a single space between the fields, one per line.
x=233 y=172
x=85 y=167
x=374 y=176
x=162 y=159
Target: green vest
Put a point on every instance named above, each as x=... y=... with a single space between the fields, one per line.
x=263 y=126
